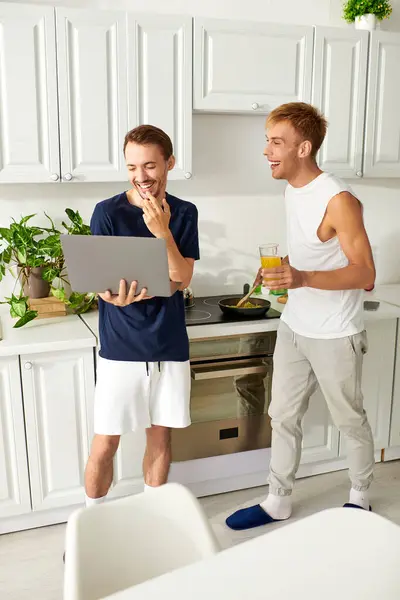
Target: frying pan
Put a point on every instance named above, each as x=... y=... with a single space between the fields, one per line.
x=228 y=307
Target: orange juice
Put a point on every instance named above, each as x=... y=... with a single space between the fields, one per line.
x=270 y=262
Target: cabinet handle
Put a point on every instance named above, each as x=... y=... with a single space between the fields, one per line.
x=255 y=105
x=359 y=173
x=67 y=177
x=28 y=366
x=188 y=175
x=54 y=177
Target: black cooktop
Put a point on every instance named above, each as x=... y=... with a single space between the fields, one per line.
x=207 y=312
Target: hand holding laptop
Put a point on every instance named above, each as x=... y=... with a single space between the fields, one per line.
x=125 y=297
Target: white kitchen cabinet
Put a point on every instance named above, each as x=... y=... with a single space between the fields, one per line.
x=58 y=391
x=339 y=88
x=14 y=480
x=377 y=380
x=382 y=136
x=250 y=67
x=394 y=439
x=29 y=149
x=160 y=81
x=321 y=440
x=320 y=436
x=92 y=81
x=128 y=470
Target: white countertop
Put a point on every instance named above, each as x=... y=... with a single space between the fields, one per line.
x=388 y=293
x=340 y=553
x=195 y=332
x=43 y=335
x=71 y=331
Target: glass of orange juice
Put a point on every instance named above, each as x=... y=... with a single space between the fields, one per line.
x=269 y=259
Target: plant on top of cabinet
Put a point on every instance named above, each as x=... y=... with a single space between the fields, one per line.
x=365 y=12
x=37 y=254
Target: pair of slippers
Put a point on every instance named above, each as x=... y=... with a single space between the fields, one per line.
x=255 y=516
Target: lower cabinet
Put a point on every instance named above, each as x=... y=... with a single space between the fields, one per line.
x=128 y=472
x=321 y=439
x=46 y=413
x=15 y=498
x=320 y=436
x=46 y=424
x=58 y=390
x=393 y=451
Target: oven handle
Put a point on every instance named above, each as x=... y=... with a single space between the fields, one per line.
x=215 y=374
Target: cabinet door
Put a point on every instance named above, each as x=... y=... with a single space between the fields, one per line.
x=382 y=142
x=58 y=391
x=128 y=471
x=250 y=67
x=339 y=88
x=29 y=143
x=160 y=81
x=394 y=439
x=377 y=378
x=92 y=79
x=320 y=436
x=14 y=481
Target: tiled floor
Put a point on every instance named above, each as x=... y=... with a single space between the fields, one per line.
x=31 y=561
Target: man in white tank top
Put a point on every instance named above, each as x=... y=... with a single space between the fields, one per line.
x=321 y=338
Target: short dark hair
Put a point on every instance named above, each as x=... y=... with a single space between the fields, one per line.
x=149 y=134
x=306 y=119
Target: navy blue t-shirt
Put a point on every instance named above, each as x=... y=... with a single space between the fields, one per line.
x=151 y=330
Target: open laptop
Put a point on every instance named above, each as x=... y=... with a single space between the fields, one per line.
x=97 y=263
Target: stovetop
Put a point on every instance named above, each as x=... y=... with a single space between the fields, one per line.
x=207 y=312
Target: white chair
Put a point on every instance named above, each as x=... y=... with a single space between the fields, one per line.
x=120 y=543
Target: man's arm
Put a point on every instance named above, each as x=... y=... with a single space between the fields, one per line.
x=344 y=215
x=157 y=219
x=180 y=268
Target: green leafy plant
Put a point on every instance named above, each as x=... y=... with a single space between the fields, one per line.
x=25 y=247
x=382 y=9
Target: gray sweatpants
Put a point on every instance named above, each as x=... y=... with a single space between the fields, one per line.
x=300 y=364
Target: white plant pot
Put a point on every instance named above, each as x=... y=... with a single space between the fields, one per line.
x=366 y=22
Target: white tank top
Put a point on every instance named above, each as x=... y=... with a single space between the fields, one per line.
x=311 y=312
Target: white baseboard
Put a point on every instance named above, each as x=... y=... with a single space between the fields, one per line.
x=392 y=453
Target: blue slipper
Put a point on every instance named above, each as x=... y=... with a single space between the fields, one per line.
x=350 y=505
x=247 y=518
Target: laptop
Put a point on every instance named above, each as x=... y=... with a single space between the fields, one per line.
x=97 y=263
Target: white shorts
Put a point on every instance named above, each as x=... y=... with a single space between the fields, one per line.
x=135 y=395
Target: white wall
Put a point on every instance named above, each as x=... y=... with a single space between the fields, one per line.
x=239 y=204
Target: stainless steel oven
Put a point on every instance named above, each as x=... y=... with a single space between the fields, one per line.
x=231 y=392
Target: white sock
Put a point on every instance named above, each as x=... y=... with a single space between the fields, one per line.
x=92 y=501
x=278 y=507
x=359 y=498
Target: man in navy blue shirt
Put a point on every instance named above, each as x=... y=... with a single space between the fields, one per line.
x=143 y=375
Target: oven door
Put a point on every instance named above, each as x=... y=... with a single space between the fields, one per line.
x=229 y=404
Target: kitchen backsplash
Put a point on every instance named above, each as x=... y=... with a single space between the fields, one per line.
x=239 y=204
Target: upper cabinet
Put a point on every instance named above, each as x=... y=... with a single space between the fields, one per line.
x=160 y=81
x=339 y=87
x=382 y=141
x=92 y=80
x=88 y=77
x=250 y=67
x=29 y=148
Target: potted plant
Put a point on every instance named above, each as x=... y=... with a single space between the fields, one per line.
x=365 y=13
x=36 y=254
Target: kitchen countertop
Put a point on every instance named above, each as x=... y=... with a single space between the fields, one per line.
x=74 y=332
x=385 y=311
x=43 y=335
